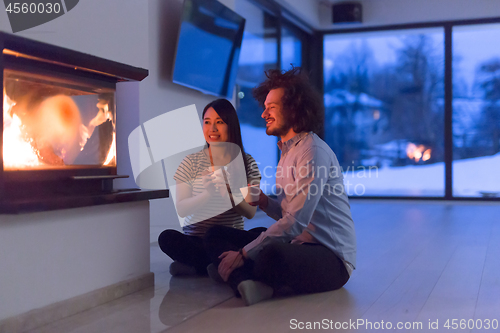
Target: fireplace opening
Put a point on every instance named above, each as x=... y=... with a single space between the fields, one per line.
x=59 y=133
x=51 y=123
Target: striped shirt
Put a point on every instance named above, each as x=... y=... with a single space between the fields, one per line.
x=190 y=172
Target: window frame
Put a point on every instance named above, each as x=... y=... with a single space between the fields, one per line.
x=448 y=87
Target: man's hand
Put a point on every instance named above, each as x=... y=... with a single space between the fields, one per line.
x=262 y=202
x=230 y=261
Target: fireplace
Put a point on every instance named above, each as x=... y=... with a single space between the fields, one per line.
x=59 y=115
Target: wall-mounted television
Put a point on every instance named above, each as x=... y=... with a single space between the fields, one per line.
x=208 y=47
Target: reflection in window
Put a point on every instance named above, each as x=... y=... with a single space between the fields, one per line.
x=476 y=110
x=384 y=110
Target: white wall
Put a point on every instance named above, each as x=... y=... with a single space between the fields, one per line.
x=53 y=256
x=385 y=12
x=112 y=29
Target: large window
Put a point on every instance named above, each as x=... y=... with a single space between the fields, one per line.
x=415 y=112
x=476 y=110
x=384 y=110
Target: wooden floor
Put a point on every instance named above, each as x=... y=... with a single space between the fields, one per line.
x=419 y=263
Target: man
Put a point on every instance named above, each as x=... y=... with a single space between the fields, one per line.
x=312 y=245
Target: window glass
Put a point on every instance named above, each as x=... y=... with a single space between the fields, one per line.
x=476 y=110
x=384 y=110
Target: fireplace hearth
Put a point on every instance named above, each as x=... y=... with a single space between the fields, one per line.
x=58 y=142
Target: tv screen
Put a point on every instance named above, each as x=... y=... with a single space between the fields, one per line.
x=208 y=47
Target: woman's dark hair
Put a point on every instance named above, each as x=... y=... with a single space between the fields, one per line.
x=302 y=104
x=226 y=111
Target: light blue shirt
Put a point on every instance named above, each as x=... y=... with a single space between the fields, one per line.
x=311 y=205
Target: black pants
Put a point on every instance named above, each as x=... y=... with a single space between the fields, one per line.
x=306 y=268
x=190 y=250
x=186 y=249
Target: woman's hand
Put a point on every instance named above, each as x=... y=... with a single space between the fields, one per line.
x=230 y=261
x=208 y=182
x=219 y=180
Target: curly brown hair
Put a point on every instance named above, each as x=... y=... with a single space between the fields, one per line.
x=302 y=104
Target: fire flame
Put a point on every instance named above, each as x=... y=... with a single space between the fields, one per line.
x=17 y=151
x=112 y=151
x=102 y=116
x=416 y=153
x=55 y=130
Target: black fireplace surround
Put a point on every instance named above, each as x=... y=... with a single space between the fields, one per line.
x=61 y=185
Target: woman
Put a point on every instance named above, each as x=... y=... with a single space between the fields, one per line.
x=200 y=195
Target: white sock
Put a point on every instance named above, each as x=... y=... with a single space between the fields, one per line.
x=254 y=291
